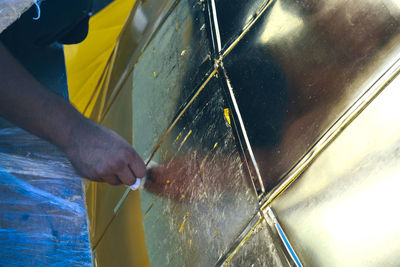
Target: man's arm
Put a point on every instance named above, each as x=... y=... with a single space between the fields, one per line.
x=96 y=152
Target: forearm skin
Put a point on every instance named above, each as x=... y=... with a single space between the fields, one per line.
x=25 y=102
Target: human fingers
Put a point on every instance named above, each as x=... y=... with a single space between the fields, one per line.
x=127 y=176
x=135 y=164
x=111 y=179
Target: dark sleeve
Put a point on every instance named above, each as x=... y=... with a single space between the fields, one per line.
x=66 y=22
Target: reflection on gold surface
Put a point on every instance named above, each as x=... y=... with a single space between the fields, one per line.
x=327 y=55
x=335 y=130
x=342 y=56
x=282 y=24
x=343 y=210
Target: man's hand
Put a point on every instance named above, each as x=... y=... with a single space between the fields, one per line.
x=96 y=152
x=99 y=154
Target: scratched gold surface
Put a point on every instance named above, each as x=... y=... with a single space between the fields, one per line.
x=200 y=198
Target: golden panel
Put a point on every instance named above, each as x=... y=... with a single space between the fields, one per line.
x=227 y=121
x=300 y=66
x=343 y=210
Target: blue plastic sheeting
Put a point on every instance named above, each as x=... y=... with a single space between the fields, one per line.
x=43 y=219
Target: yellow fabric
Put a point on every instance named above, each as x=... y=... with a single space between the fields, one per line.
x=85 y=62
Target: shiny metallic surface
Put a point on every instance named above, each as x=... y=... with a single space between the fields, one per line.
x=334 y=131
x=174 y=65
x=301 y=66
x=235 y=100
x=232 y=16
x=262 y=248
x=270 y=216
x=200 y=198
x=145 y=18
x=262 y=243
x=342 y=211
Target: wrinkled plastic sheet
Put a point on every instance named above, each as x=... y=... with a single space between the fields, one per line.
x=11 y=10
x=43 y=219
